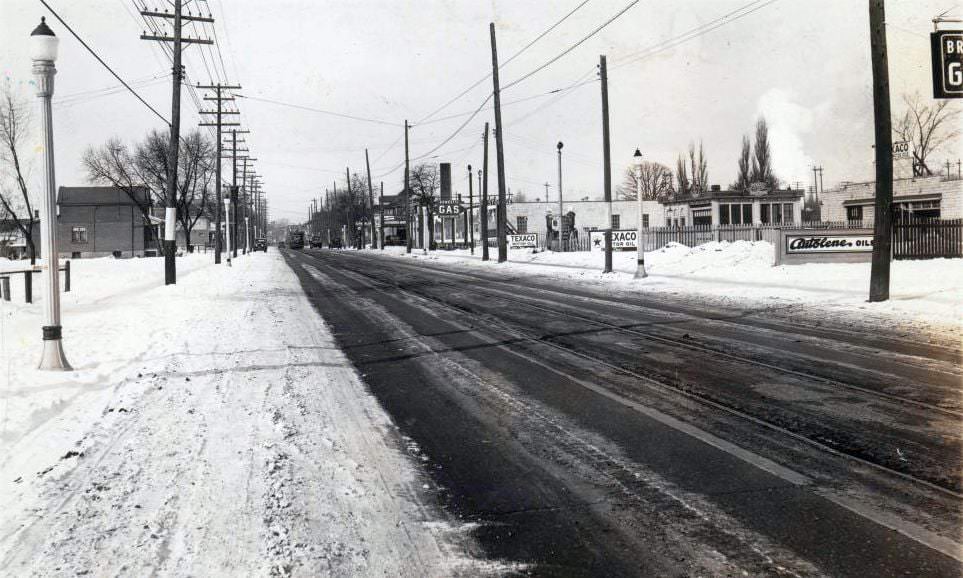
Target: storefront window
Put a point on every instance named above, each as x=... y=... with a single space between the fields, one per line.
x=787 y=216
x=616 y=221
x=854 y=214
x=766 y=219
x=78 y=235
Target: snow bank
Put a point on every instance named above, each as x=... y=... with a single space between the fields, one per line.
x=212 y=427
x=925 y=295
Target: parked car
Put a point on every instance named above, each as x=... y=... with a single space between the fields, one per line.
x=260 y=244
x=281 y=244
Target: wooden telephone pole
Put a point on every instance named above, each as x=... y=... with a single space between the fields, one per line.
x=607 y=165
x=219 y=98
x=499 y=154
x=484 y=196
x=408 y=229
x=883 y=225
x=178 y=41
x=367 y=166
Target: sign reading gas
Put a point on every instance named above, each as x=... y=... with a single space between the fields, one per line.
x=828 y=244
x=947 y=52
x=450 y=210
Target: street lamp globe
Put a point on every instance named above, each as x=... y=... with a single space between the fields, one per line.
x=559 y=146
x=43 y=43
x=637 y=157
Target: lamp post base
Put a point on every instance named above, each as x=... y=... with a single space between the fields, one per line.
x=53 y=357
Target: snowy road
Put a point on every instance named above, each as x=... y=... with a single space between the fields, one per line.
x=587 y=435
x=211 y=428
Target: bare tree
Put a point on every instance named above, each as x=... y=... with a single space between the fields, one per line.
x=761 y=171
x=742 y=177
x=656 y=182
x=14 y=194
x=145 y=169
x=928 y=127
x=683 y=186
x=700 y=170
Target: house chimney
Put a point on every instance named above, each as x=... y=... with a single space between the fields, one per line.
x=445 y=181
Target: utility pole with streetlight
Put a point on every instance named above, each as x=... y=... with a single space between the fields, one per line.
x=483 y=185
x=227 y=224
x=43 y=52
x=640 y=246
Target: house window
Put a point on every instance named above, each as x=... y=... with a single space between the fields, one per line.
x=645 y=221
x=854 y=214
x=764 y=214
x=521 y=225
x=78 y=235
x=787 y=216
x=615 y=221
x=776 y=213
x=723 y=214
x=746 y=214
x=682 y=221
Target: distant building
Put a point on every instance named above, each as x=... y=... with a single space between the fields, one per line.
x=937 y=197
x=13 y=243
x=100 y=222
x=394 y=217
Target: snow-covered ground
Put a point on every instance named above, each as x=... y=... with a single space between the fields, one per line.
x=926 y=296
x=212 y=427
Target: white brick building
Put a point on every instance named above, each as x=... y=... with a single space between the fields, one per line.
x=932 y=197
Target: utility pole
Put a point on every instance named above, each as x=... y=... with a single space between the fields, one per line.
x=607 y=164
x=178 y=41
x=367 y=165
x=484 y=196
x=408 y=228
x=471 y=214
x=882 y=238
x=219 y=98
x=499 y=154
x=381 y=206
x=351 y=216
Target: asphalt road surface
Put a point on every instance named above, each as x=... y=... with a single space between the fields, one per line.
x=588 y=435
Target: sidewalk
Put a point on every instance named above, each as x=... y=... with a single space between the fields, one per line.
x=926 y=296
x=209 y=428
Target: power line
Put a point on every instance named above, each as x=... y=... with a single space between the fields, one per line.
x=511 y=58
x=696 y=32
x=104 y=64
x=320 y=111
x=574 y=46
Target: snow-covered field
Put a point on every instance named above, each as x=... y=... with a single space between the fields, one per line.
x=926 y=295
x=208 y=428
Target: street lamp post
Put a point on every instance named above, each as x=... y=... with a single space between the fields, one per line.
x=43 y=51
x=640 y=259
x=561 y=211
x=227 y=226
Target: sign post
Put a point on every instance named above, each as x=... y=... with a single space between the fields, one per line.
x=947 y=53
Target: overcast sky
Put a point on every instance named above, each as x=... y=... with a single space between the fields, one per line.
x=805 y=65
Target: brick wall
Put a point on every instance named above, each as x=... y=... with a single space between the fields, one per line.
x=951 y=192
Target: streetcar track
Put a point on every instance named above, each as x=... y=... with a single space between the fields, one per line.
x=896 y=399
x=947 y=354
x=656 y=384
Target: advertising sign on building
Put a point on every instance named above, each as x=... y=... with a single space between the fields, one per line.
x=526 y=241
x=620 y=240
x=796 y=244
x=947 y=52
x=902 y=150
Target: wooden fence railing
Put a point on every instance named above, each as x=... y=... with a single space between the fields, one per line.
x=927 y=238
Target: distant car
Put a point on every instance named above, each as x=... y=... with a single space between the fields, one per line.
x=334 y=243
x=260 y=245
x=280 y=244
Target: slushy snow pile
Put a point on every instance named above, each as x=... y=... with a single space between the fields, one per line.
x=208 y=428
x=926 y=296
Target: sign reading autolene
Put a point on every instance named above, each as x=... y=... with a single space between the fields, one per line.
x=524 y=241
x=796 y=244
x=620 y=240
x=947 y=51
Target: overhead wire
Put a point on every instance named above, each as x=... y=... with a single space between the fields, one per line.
x=104 y=64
